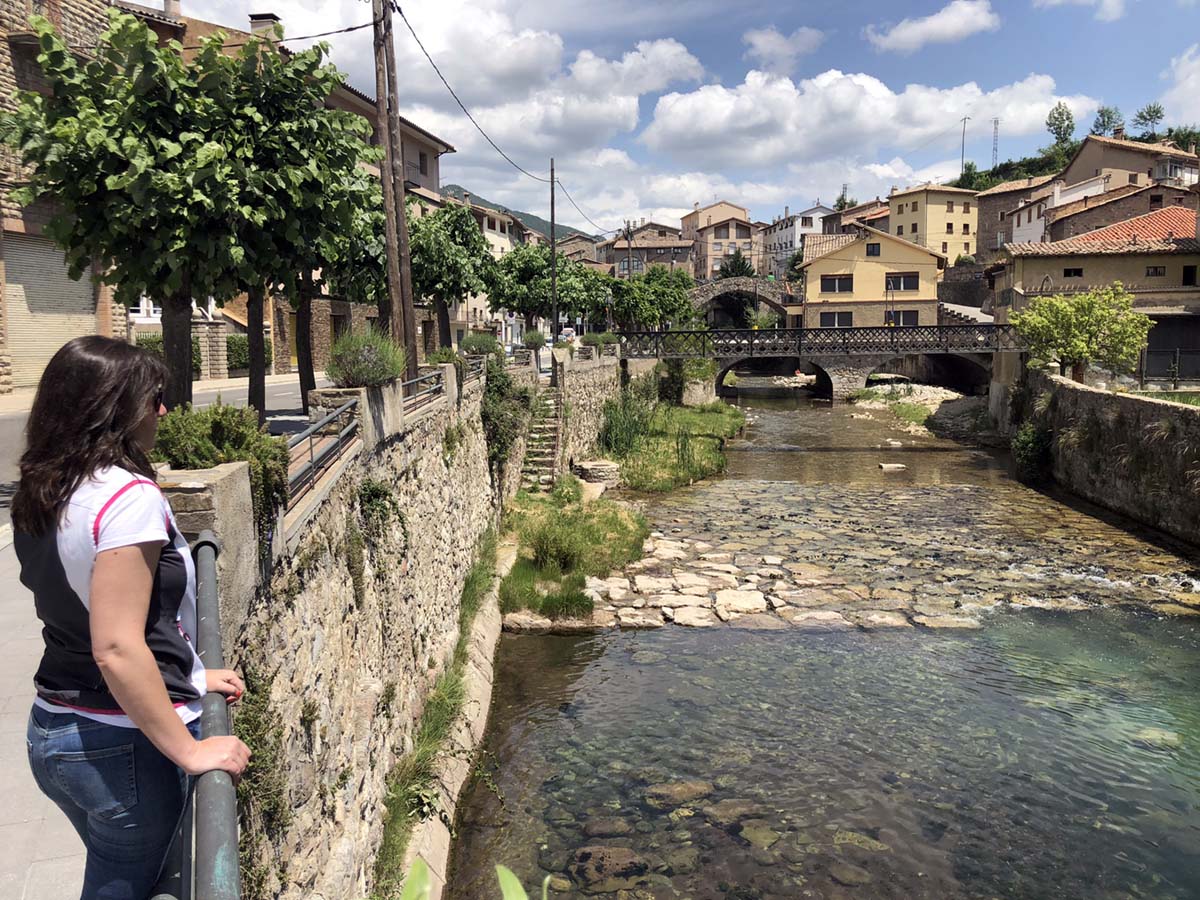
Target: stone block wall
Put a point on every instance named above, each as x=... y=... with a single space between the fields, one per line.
x=1135 y=204
x=1131 y=454
x=964 y=286
x=214 y=353
x=585 y=386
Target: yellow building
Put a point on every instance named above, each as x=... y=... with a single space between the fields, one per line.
x=943 y=219
x=872 y=279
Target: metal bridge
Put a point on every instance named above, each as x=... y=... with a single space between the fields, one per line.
x=743 y=343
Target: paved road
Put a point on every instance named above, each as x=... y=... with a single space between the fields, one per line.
x=283 y=410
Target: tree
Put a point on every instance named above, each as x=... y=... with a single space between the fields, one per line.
x=1108 y=119
x=1184 y=136
x=357 y=267
x=794 y=271
x=735 y=266
x=124 y=143
x=1061 y=123
x=450 y=260
x=844 y=201
x=1098 y=326
x=1148 y=117
x=969 y=177
x=520 y=282
x=584 y=291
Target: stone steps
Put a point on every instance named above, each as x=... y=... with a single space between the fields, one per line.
x=540 y=466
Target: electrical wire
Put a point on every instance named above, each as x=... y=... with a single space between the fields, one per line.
x=273 y=40
x=600 y=231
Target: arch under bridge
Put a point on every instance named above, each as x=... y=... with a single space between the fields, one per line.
x=846 y=355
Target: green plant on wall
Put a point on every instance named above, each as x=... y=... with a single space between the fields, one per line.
x=153 y=341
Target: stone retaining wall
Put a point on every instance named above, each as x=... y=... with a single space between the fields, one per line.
x=1134 y=455
x=585 y=386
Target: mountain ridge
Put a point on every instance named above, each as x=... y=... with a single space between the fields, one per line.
x=529 y=220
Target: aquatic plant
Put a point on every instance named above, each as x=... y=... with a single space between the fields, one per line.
x=1031 y=444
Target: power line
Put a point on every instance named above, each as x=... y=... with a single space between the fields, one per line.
x=570 y=199
x=273 y=40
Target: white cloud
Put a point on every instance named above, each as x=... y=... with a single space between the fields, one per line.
x=1106 y=10
x=957 y=20
x=1182 y=99
x=779 y=53
x=651 y=66
x=767 y=120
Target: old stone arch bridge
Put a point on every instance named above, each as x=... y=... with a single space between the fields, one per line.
x=705 y=297
x=846 y=355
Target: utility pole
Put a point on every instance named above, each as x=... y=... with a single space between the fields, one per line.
x=963 y=164
x=628 y=249
x=553 y=280
x=995 y=142
x=408 y=321
x=391 y=307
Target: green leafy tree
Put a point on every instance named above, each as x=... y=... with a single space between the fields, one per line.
x=1061 y=123
x=970 y=176
x=1108 y=119
x=451 y=260
x=1184 y=136
x=670 y=295
x=1098 y=326
x=1148 y=118
x=127 y=143
x=357 y=268
x=520 y=282
x=735 y=266
x=585 y=291
x=844 y=201
x=794 y=272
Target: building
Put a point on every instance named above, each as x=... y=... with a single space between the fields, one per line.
x=848 y=220
x=1027 y=220
x=785 y=236
x=938 y=217
x=717 y=231
x=870 y=279
x=993 y=230
x=1132 y=162
x=578 y=247
x=1091 y=213
x=633 y=255
x=1155 y=256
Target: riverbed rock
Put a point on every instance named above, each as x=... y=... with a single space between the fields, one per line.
x=603 y=870
x=735 y=601
x=860 y=840
x=630 y=617
x=1159 y=738
x=670 y=794
x=606 y=827
x=758 y=833
x=657 y=601
x=695 y=617
x=939 y=622
x=876 y=620
x=724 y=813
x=760 y=622
x=652 y=584
x=524 y=621
x=816 y=619
x=849 y=875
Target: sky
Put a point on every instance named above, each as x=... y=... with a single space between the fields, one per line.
x=649 y=107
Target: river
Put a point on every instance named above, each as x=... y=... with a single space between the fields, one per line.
x=1053 y=751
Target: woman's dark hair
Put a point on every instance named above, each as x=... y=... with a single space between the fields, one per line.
x=94 y=394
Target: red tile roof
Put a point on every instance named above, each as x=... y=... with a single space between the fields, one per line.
x=1162 y=224
x=1020 y=184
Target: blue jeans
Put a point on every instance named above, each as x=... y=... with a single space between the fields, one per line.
x=122 y=795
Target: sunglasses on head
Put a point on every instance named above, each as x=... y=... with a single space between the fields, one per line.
x=158 y=399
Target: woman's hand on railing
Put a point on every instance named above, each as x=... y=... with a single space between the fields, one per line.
x=224 y=754
x=227 y=682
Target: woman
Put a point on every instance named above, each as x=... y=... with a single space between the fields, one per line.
x=114 y=730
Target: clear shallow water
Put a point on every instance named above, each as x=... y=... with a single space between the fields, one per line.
x=1048 y=754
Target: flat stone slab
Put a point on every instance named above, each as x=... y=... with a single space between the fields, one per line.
x=628 y=617
x=760 y=622
x=877 y=620
x=741 y=601
x=695 y=617
x=658 y=601
x=525 y=622
x=939 y=622
x=652 y=584
x=816 y=619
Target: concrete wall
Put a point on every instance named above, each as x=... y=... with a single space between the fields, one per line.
x=926 y=225
x=1134 y=455
x=965 y=286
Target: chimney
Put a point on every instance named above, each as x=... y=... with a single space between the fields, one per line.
x=1192 y=148
x=260 y=23
x=171 y=8
x=467 y=199
x=696 y=206
x=1170 y=235
x=786 y=210
x=1119 y=132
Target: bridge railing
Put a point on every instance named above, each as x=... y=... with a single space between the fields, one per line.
x=745 y=342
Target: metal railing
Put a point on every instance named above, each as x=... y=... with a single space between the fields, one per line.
x=745 y=342
x=423 y=390
x=474 y=367
x=203 y=860
x=325 y=441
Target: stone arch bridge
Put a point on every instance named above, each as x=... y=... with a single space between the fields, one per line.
x=705 y=296
x=846 y=355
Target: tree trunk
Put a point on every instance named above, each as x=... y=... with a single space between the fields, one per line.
x=304 y=360
x=177 y=347
x=257 y=388
x=443 y=320
x=1077 y=371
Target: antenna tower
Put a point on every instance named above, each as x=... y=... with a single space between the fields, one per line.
x=995 y=142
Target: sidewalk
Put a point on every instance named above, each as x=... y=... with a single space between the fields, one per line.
x=21 y=399
x=41 y=857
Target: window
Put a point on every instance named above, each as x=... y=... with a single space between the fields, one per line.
x=966 y=228
x=1002 y=215
x=1156 y=271
x=949 y=206
x=743 y=231
x=966 y=206
x=660 y=251
x=1133 y=178
x=837 y=320
x=716 y=266
x=806 y=221
x=1189 y=276
x=837 y=284
x=966 y=246
x=491 y=224
x=872 y=249
x=1072 y=273
x=913 y=228
x=721 y=231
x=901 y=208
x=914 y=206
x=905 y=318
x=949 y=228
x=902 y=281
x=899 y=229
x=424 y=162
x=1156 y=201
x=623 y=265
x=717 y=245
x=946 y=247
x=747 y=245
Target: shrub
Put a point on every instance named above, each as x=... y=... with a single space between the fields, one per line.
x=965 y=259
x=202 y=438
x=504 y=411
x=730 y=379
x=441 y=355
x=567 y=489
x=607 y=337
x=569 y=346
x=557 y=543
x=534 y=340
x=237 y=351
x=1031 y=451
x=479 y=344
x=154 y=343
x=366 y=359
x=626 y=421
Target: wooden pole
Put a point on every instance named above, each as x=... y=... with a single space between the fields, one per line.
x=553 y=279
x=409 y=320
x=391 y=308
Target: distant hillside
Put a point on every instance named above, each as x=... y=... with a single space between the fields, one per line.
x=537 y=223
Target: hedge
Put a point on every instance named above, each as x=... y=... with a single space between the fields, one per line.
x=153 y=341
x=237 y=351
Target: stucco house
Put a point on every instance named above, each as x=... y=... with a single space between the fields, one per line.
x=1132 y=162
x=941 y=218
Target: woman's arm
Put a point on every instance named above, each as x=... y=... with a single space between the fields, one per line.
x=120 y=602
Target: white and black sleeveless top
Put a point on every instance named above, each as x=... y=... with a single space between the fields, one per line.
x=114 y=508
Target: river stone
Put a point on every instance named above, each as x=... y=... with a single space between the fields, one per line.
x=672 y=600
x=857 y=839
x=816 y=619
x=760 y=622
x=559 y=885
x=850 y=876
x=758 y=833
x=682 y=861
x=772 y=560
x=604 y=618
x=809 y=572
x=725 y=812
x=628 y=617
x=608 y=826
x=669 y=553
x=525 y=622
x=873 y=620
x=731 y=601
x=650 y=584
x=1159 y=738
x=604 y=870
x=668 y=795
x=947 y=621
x=717 y=557
x=809 y=597
x=684 y=580
x=694 y=617
x=1174 y=609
